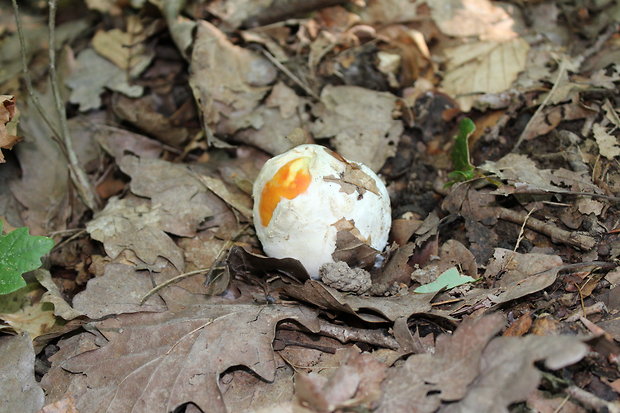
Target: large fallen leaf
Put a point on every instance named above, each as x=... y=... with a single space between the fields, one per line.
x=354 y=380
x=92 y=76
x=119 y=290
x=507 y=371
x=178 y=199
x=523 y=175
x=230 y=83
x=474 y=69
x=164 y=360
x=465 y=18
x=361 y=123
x=18 y=387
x=133 y=224
x=426 y=379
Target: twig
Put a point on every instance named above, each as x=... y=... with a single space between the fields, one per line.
x=522 y=230
x=26 y=75
x=208 y=270
x=593 y=402
x=290 y=74
x=78 y=176
x=346 y=334
x=561 y=72
x=585 y=242
x=172 y=281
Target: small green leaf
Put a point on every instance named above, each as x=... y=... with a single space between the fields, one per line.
x=463 y=170
x=20 y=252
x=450 y=278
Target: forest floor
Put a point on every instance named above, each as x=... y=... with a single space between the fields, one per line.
x=137 y=149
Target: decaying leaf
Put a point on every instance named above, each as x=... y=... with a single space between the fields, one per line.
x=360 y=122
x=507 y=372
x=20 y=391
x=607 y=144
x=133 y=224
x=466 y=18
x=8 y=123
x=427 y=379
x=166 y=359
x=355 y=381
x=351 y=246
x=483 y=67
x=523 y=175
x=118 y=291
x=369 y=309
x=125 y=48
x=94 y=74
x=230 y=99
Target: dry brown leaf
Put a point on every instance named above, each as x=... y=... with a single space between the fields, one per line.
x=124 y=49
x=475 y=69
x=523 y=175
x=20 y=391
x=230 y=83
x=356 y=381
x=507 y=371
x=426 y=379
x=134 y=224
x=66 y=405
x=466 y=18
x=607 y=144
x=351 y=246
x=8 y=123
x=360 y=122
x=369 y=309
x=166 y=359
x=118 y=291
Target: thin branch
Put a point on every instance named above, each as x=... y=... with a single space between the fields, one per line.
x=561 y=72
x=78 y=175
x=28 y=80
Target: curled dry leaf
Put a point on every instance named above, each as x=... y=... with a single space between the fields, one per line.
x=368 y=309
x=8 y=123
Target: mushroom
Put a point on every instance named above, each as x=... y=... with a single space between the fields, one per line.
x=313 y=205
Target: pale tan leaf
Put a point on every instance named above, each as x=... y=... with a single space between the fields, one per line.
x=483 y=67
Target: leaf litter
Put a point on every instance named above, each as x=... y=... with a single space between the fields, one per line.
x=173 y=110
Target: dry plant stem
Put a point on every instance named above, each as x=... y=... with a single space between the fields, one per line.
x=585 y=242
x=522 y=230
x=78 y=176
x=346 y=334
x=561 y=71
x=26 y=75
x=208 y=270
x=172 y=281
x=287 y=72
x=593 y=402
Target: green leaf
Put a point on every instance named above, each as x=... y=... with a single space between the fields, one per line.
x=20 y=252
x=450 y=278
x=463 y=170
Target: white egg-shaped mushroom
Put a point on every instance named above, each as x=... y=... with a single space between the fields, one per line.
x=302 y=197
